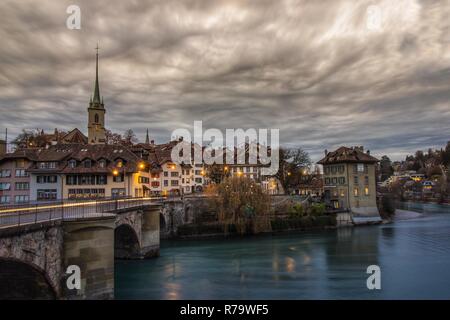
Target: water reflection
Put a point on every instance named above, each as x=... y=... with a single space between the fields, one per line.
x=414 y=256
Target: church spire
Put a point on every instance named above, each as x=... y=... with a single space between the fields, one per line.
x=97 y=87
x=147 y=138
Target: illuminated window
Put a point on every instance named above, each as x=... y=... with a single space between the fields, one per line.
x=355 y=192
x=366 y=191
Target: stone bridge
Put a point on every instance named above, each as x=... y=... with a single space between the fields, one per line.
x=34 y=257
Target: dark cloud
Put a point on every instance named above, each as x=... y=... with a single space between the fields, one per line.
x=326 y=73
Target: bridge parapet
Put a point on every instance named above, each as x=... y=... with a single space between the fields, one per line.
x=91 y=242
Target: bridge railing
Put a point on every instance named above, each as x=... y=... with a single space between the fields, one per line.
x=17 y=215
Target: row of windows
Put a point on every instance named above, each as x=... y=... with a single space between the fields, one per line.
x=46 y=194
x=143 y=180
x=118 y=192
x=21 y=198
x=183 y=172
x=119 y=178
x=6 y=186
x=196 y=180
x=356 y=180
x=340 y=180
x=172 y=174
x=47 y=165
x=87 y=193
x=22 y=186
x=6 y=173
x=173 y=183
x=86 y=179
x=47 y=179
x=334 y=169
x=360 y=168
x=17 y=199
x=356 y=191
x=341 y=192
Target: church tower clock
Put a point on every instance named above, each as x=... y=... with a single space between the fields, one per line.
x=96 y=113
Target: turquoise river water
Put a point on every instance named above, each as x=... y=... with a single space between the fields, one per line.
x=413 y=255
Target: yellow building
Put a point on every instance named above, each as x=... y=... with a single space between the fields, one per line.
x=350 y=182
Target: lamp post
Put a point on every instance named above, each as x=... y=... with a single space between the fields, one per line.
x=141 y=168
x=116 y=173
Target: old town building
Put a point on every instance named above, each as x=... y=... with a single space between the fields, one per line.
x=350 y=182
x=14 y=176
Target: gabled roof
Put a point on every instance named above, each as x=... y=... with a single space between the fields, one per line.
x=75 y=136
x=345 y=154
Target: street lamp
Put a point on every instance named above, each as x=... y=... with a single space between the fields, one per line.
x=116 y=173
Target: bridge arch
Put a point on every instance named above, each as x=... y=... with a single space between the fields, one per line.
x=22 y=280
x=126 y=243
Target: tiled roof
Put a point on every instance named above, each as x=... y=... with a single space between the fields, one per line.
x=345 y=154
x=79 y=152
x=30 y=154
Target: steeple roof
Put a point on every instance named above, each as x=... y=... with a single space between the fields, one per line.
x=96 y=99
x=147 y=138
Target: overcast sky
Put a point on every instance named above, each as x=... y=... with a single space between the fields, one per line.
x=326 y=73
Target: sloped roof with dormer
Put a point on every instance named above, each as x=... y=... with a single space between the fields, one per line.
x=111 y=154
x=345 y=154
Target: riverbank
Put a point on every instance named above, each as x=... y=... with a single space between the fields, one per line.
x=277 y=226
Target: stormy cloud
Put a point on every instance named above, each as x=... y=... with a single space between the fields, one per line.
x=326 y=73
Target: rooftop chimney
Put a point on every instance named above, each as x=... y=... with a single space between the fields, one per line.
x=326 y=152
x=368 y=152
